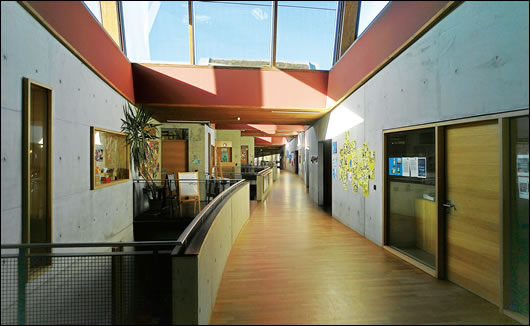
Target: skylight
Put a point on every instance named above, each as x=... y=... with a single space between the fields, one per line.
x=306 y=33
x=95 y=9
x=157 y=31
x=368 y=13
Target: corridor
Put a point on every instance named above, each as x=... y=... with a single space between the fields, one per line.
x=294 y=264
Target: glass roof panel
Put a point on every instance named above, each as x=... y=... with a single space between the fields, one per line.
x=368 y=13
x=306 y=34
x=157 y=31
x=232 y=33
x=95 y=9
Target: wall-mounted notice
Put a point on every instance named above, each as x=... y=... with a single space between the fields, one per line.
x=522 y=183
x=422 y=167
x=522 y=165
x=395 y=166
x=413 y=166
x=406 y=167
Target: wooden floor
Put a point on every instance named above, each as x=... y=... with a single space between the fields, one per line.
x=294 y=264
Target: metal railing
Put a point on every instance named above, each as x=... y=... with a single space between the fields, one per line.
x=110 y=283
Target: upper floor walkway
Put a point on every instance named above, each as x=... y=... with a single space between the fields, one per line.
x=295 y=264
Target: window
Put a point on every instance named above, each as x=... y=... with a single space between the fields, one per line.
x=157 y=31
x=411 y=188
x=518 y=240
x=37 y=175
x=95 y=9
x=110 y=157
x=306 y=34
x=368 y=13
x=232 y=33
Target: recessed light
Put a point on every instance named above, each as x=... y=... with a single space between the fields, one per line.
x=238 y=118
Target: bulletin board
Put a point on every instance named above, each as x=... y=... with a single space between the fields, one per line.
x=356 y=165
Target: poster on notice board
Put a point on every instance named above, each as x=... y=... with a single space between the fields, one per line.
x=522 y=175
x=422 y=167
x=395 y=166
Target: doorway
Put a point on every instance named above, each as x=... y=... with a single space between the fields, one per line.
x=296 y=162
x=244 y=154
x=174 y=156
x=324 y=175
x=472 y=207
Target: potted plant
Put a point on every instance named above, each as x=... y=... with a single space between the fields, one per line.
x=141 y=137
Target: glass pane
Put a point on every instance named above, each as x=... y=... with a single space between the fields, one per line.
x=412 y=206
x=175 y=133
x=157 y=31
x=368 y=13
x=233 y=33
x=306 y=34
x=95 y=9
x=519 y=216
x=110 y=157
x=39 y=230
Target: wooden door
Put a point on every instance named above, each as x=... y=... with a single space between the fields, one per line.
x=224 y=154
x=472 y=185
x=174 y=156
x=244 y=155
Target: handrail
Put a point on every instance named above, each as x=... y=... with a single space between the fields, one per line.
x=89 y=245
x=265 y=171
x=193 y=225
x=178 y=244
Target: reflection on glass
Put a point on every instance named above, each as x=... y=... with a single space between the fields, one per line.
x=39 y=230
x=95 y=9
x=110 y=157
x=518 y=301
x=157 y=31
x=306 y=34
x=368 y=12
x=233 y=33
x=411 y=192
x=175 y=133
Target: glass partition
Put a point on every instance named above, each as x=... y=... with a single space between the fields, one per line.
x=518 y=274
x=412 y=213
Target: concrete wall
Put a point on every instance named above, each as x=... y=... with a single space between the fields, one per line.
x=235 y=137
x=249 y=141
x=80 y=100
x=474 y=62
x=196 y=279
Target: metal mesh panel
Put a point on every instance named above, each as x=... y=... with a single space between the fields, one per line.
x=93 y=288
x=9 y=290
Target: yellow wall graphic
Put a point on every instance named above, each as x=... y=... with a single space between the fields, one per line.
x=356 y=165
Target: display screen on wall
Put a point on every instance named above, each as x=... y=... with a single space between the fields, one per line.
x=110 y=158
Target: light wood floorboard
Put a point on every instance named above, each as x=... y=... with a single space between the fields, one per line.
x=294 y=264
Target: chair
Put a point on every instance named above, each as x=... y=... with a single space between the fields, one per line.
x=189 y=189
x=172 y=188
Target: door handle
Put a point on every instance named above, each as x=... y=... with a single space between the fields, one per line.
x=449 y=205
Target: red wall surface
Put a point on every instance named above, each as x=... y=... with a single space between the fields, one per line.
x=76 y=25
x=247 y=87
x=398 y=22
x=210 y=86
